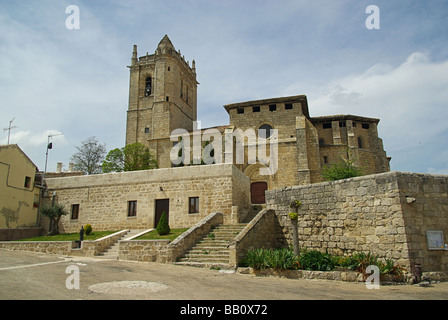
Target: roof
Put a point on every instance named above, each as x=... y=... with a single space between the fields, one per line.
x=20 y=150
x=341 y=117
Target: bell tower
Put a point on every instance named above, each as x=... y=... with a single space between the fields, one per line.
x=162 y=94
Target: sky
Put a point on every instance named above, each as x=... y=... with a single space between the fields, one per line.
x=73 y=83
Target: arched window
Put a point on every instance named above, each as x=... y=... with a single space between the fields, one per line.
x=265 y=131
x=148 y=87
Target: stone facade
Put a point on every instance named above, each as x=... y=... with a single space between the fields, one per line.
x=305 y=144
x=104 y=200
x=387 y=214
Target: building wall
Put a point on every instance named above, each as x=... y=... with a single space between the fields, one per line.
x=103 y=199
x=18 y=195
x=372 y=213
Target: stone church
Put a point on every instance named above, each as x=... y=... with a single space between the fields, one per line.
x=163 y=98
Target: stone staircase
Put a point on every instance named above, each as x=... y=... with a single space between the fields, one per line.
x=212 y=250
x=112 y=251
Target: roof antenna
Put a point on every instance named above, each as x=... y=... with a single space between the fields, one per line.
x=10 y=128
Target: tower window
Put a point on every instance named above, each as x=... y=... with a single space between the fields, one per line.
x=326 y=125
x=288 y=106
x=146 y=130
x=148 y=87
x=365 y=126
x=272 y=107
x=240 y=110
x=255 y=109
x=265 y=131
x=360 y=146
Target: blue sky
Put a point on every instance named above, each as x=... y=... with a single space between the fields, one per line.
x=75 y=82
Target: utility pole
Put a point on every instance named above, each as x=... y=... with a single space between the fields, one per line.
x=10 y=128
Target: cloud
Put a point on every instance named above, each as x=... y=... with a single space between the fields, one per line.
x=410 y=100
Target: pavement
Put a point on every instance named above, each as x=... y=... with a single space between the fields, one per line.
x=34 y=276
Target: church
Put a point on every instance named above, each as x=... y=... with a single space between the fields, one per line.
x=268 y=144
x=163 y=98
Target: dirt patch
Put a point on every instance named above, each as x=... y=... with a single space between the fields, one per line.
x=135 y=288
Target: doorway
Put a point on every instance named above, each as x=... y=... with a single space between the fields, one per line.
x=162 y=205
x=257 y=190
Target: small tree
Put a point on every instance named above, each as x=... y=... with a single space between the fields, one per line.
x=89 y=156
x=54 y=213
x=130 y=158
x=163 y=227
x=294 y=216
x=341 y=170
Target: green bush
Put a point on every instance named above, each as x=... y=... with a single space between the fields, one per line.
x=316 y=260
x=341 y=170
x=88 y=229
x=280 y=259
x=163 y=227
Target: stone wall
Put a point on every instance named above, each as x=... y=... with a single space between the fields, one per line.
x=103 y=199
x=373 y=213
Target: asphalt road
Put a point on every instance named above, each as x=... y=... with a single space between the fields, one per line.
x=32 y=276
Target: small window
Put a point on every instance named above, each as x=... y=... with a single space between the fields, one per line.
x=325 y=159
x=169 y=68
x=240 y=111
x=365 y=126
x=146 y=130
x=27 y=182
x=167 y=98
x=360 y=146
x=342 y=124
x=321 y=142
x=132 y=208
x=193 y=205
x=255 y=109
x=326 y=125
x=288 y=106
x=75 y=212
x=272 y=107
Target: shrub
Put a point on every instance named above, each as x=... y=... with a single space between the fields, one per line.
x=279 y=259
x=342 y=170
x=163 y=227
x=88 y=229
x=316 y=260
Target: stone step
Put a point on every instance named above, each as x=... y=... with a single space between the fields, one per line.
x=212 y=250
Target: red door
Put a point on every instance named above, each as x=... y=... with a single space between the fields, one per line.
x=257 y=190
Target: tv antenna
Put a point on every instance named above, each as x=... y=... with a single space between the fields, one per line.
x=10 y=128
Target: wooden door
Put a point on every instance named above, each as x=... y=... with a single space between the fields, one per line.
x=257 y=190
x=162 y=205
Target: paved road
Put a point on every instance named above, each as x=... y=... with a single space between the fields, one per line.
x=35 y=276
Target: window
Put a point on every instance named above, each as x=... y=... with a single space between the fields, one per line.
x=326 y=125
x=325 y=159
x=27 y=182
x=365 y=126
x=288 y=106
x=255 y=109
x=148 y=87
x=265 y=131
x=360 y=146
x=240 y=111
x=272 y=107
x=146 y=130
x=342 y=124
x=75 y=212
x=193 y=205
x=132 y=208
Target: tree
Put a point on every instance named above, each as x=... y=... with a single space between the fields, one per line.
x=54 y=213
x=294 y=216
x=163 y=227
x=130 y=158
x=341 y=170
x=89 y=156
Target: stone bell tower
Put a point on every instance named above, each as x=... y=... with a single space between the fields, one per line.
x=162 y=95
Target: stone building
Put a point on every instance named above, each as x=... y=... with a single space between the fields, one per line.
x=163 y=98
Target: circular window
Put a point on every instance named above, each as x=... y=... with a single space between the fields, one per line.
x=265 y=131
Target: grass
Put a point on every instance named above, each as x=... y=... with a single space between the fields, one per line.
x=153 y=235
x=70 y=236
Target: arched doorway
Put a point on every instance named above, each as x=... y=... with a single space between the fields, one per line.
x=257 y=194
